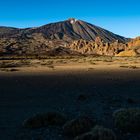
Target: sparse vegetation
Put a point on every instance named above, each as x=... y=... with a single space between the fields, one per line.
x=131 y=67
x=92 y=62
x=5 y=64
x=50 y=66
x=89 y=69
x=9 y=70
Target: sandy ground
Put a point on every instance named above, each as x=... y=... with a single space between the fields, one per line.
x=39 y=88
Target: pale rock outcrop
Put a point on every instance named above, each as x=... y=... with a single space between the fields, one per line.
x=133 y=48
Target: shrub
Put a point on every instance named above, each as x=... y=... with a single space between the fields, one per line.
x=78 y=126
x=127 y=120
x=45 y=119
x=98 y=133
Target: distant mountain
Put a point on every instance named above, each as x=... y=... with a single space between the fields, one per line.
x=69 y=37
x=8 y=31
x=68 y=30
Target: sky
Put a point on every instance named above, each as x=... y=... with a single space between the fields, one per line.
x=119 y=16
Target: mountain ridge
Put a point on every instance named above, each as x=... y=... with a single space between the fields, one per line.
x=67 y=30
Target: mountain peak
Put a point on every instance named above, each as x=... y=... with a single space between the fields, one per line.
x=72 y=20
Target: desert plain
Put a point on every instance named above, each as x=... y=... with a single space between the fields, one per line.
x=73 y=86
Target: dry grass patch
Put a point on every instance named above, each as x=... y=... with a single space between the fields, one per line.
x=9 y=70
x=50 y=66
x=130 y=67
x=8 y=64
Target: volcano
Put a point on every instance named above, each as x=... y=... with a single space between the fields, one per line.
x=68 y=30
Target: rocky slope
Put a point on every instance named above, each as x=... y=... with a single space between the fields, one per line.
x=35 y=44
x=98 y=47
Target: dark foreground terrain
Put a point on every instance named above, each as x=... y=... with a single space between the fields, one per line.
x=95 y=94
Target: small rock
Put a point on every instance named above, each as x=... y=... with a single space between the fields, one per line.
x=82 y=97
x=130 y=101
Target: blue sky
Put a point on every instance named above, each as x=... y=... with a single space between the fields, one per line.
x=119 y=16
